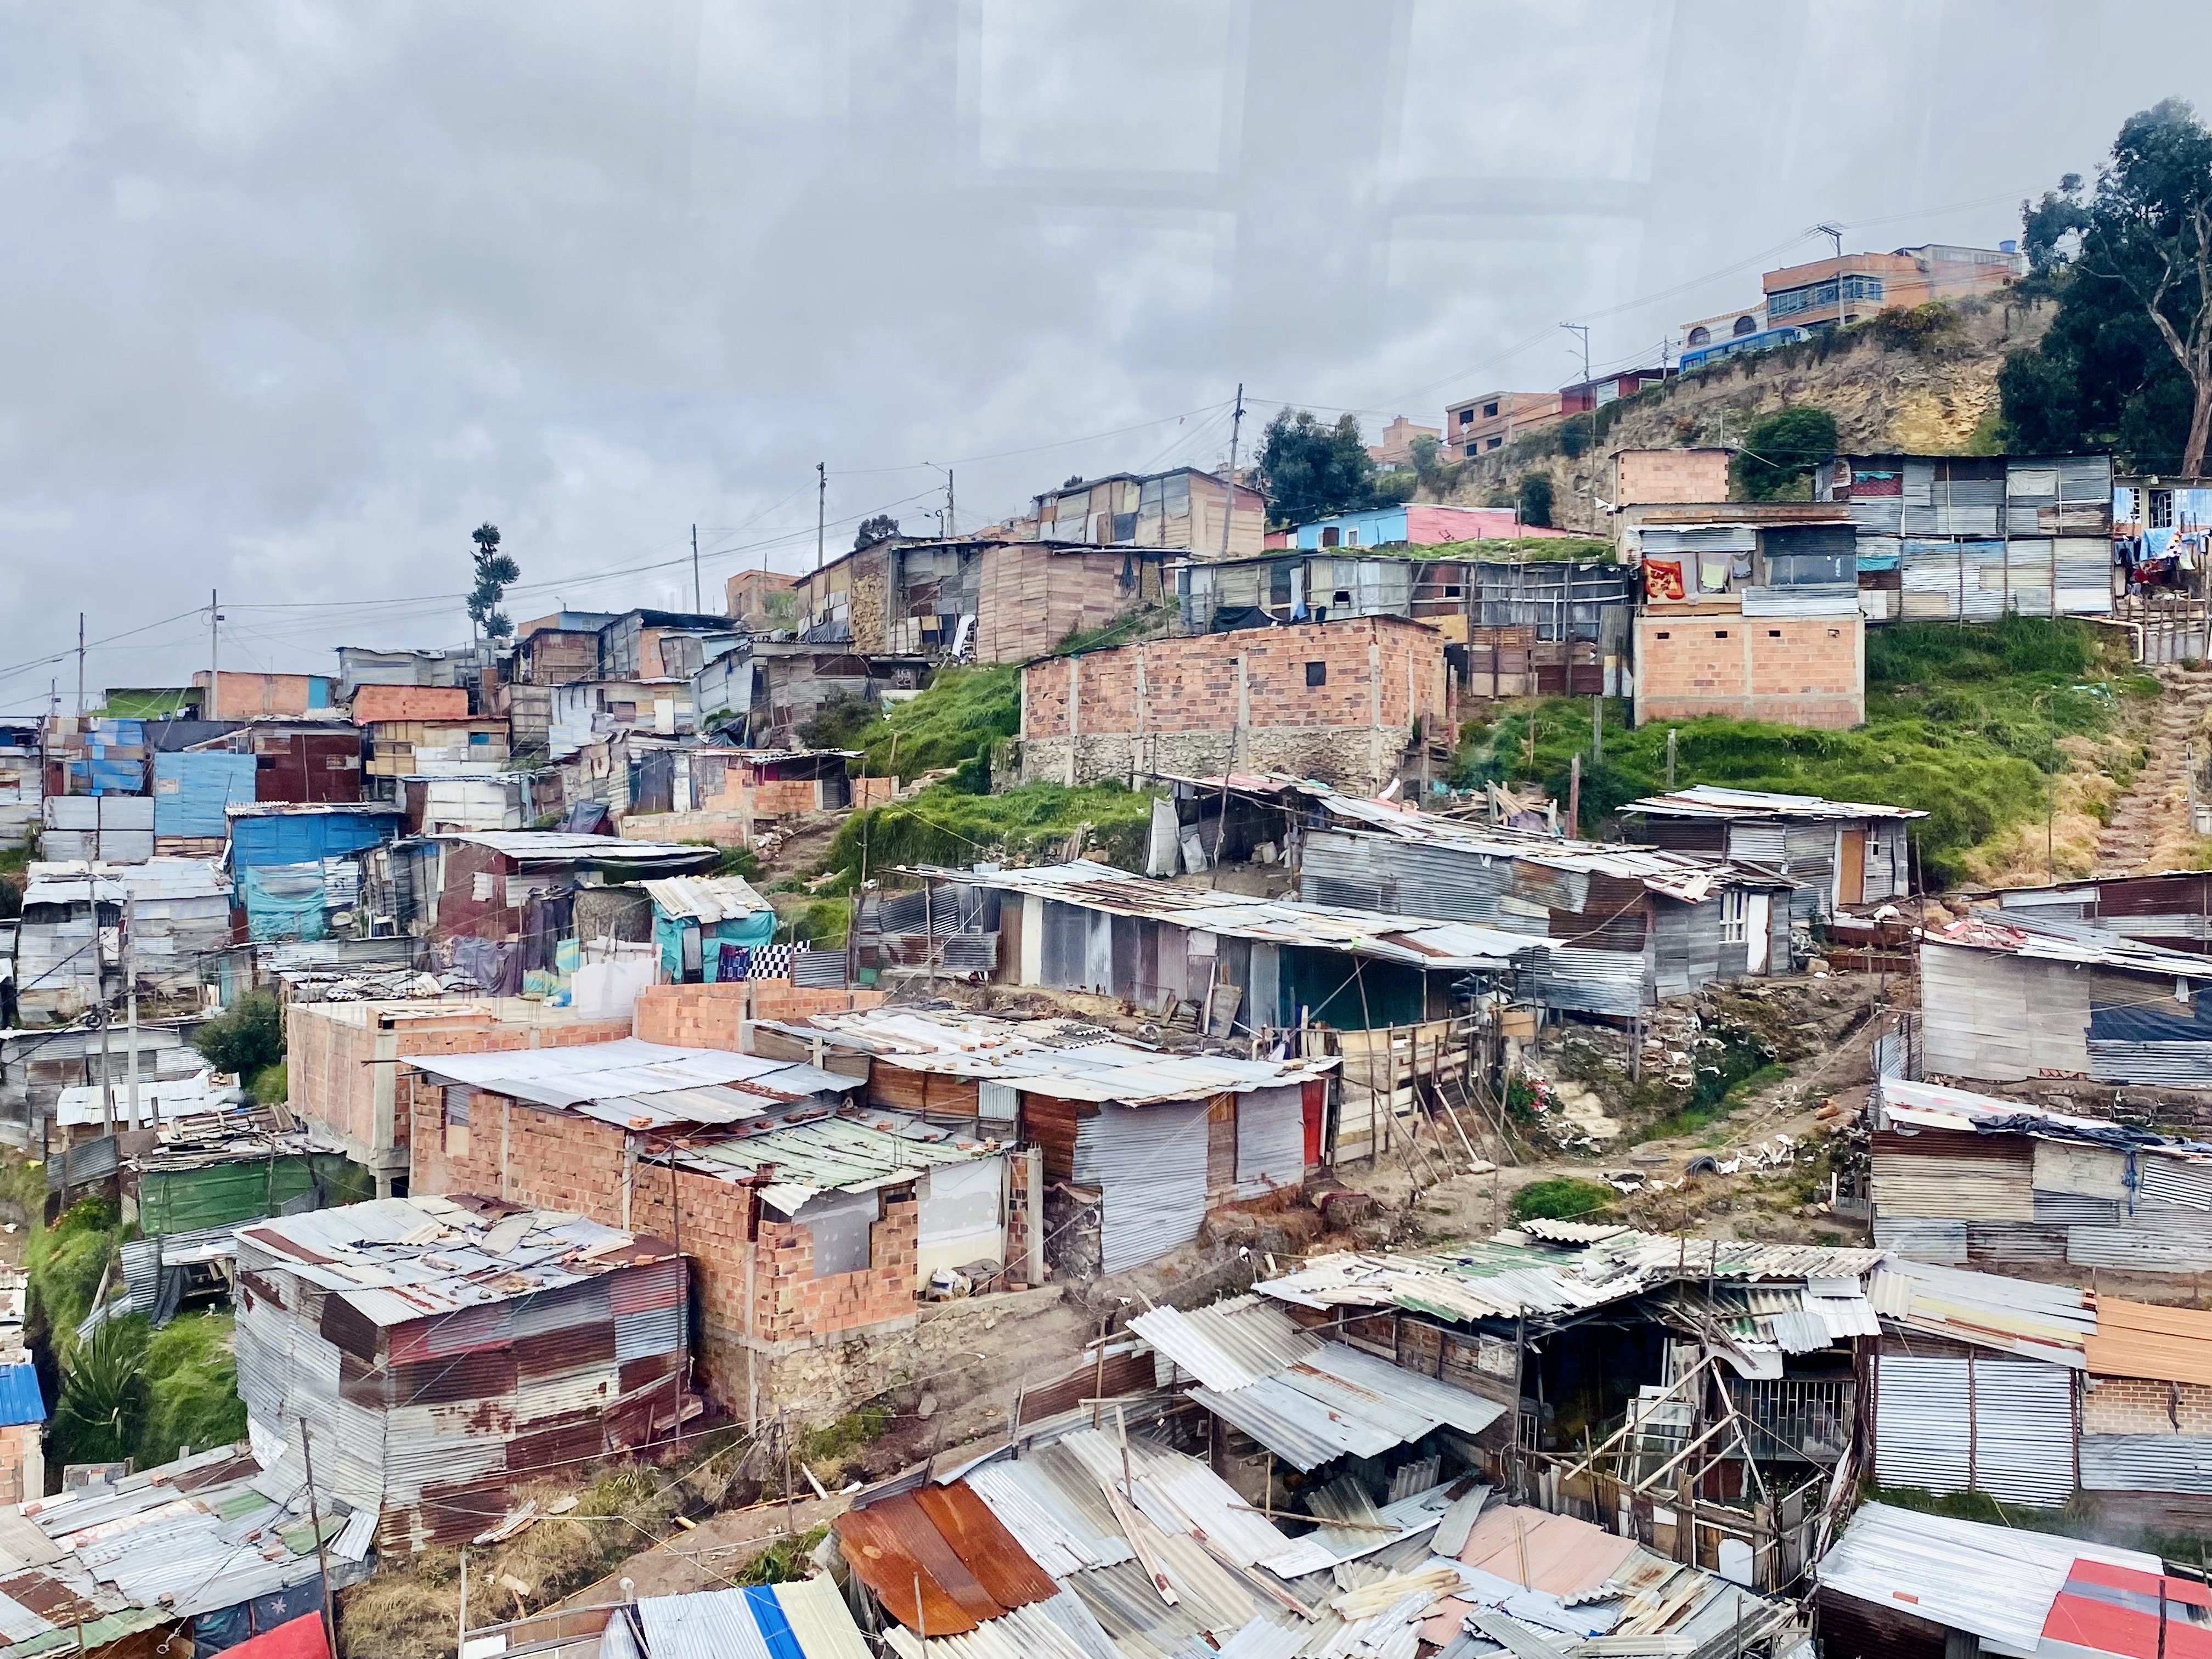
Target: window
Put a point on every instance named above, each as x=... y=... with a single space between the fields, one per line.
x=1466 y=417
x=1451 y=590
x=1351 y=539
x=2161 y=508
x=1700 y=336
x=1732 y=917
x=837 y=1225
x=1494 y=442
x=1773 y=632
x=1316 y=674
x=1745 y=325
x=1278 y=582
x=1720 y=633
x=1664 y=635
x=455 y=1102
x=1473 y=450
x=1488 y=410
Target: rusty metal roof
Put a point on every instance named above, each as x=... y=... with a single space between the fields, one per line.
x=2045 y=940
x=943 y=1545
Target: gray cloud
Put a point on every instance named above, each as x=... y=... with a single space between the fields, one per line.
x=294 y=295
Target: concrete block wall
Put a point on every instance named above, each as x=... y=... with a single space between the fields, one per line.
x=1643 y=477
x=713 y=1015
x=1790 y=671
x=2133 y=1404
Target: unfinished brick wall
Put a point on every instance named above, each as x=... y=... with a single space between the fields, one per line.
x=373 y=703
x=713 y=1015
x=790 y=1304
x=1791 y=670
x=1642 y=477
x=562 y=1161
x=341 y=1059
x=1246 y=699
x=2133 y=1404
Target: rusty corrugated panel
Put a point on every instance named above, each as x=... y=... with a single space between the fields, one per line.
x=2133 y=1339
x=548 y=1353
x=896 y=1550
x=984 y=1545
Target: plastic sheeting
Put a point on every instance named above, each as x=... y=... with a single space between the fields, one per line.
x=284 y=901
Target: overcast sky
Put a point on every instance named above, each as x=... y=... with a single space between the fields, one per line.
x=292 y=295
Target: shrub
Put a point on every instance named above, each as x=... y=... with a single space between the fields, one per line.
x=102 y=1412
x=1563 y=1197
x=1535 y=500
x=247 y=1039
x=1780 y=452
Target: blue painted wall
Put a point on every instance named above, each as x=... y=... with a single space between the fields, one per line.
x=1377 y=528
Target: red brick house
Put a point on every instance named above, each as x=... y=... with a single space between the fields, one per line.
x=802 y=1213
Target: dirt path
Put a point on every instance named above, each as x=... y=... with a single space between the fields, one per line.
x=2149 y=829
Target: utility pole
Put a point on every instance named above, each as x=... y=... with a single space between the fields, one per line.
x=1228 y=505
x=215 y=664
x=1575 y=798
x=1835 y=233
x=1597 y=730
x=1582 y=329
x=322 y=1560
x=130 y=996
x=1670 y=760
x=821 y=508
x=99 y=978
x=951 y=525
x=696 y=608
x=80 y=665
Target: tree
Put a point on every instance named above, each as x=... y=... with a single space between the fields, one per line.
x=2127 y=362
x=1311 y=470
x=1780 y=451
x=881 y=528
x=248 y=1039
x=1533 y=503
x=496 y=571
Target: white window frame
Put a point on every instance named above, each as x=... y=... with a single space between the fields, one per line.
x=1732 y=915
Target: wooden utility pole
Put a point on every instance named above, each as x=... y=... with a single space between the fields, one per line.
x=1575 y=798
x=208 y=710
x=1670 y=760
x=697 y=606
x=1597 y=730
x=821 y=508
x=80 y=665
x=322 y=1559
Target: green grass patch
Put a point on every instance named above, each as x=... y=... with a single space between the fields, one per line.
x=1964 y=723
x=1562 y=1198
x=191 y=1388
x=944 y=825
x=63 y=1262
x=1723 y=1097
x=848 y=1434
x=785 y=1559
x=954 y=722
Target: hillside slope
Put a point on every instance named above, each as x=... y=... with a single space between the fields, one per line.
x=1920 y=382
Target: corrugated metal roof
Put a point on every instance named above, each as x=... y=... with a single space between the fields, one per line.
x=554 y=848
x=761 y=1621
x=706 y=898
x=1041 y=1056
x=1229 y=1344
x=2050 y=1322
x=2134 y=1338
x=1711 y=801
x=2047 y=939
x=857 y=1151
x=20 y=1398
x=1413 y=940
x=628 y=1070
x=396 y=1259
x=944 y=1545
x=1997 y=1581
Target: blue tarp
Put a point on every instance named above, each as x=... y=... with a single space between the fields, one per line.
x=306 y=837
x=191 y=791
x=20 y=1401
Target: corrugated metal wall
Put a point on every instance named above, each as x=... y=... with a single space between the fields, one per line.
x=2001 y=1426
x=1149 y=1163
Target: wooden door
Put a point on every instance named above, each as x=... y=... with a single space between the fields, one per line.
x=1851 y=868
x=1221 y=1143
